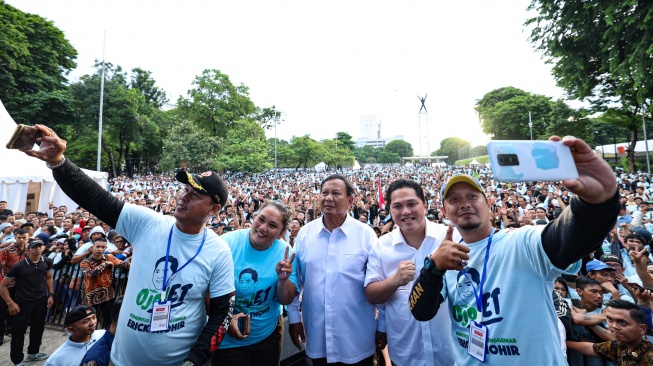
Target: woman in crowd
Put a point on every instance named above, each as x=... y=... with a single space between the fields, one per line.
x=262 y=267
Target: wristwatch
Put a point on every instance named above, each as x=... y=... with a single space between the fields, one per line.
x=430 y=265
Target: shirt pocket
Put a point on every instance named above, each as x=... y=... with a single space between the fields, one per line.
x=352 y=266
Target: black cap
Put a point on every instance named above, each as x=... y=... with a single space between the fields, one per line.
x=208 y=183
x=605 y=258
x=29 y=223
x=34 y=243
x=78 y=313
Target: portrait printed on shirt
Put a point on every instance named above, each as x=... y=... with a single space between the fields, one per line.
x=465 y=310
x=175 y=293
x=251 y=299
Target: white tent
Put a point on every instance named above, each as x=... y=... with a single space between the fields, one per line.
x=320 y=167
x=474 y=162
x=357 y=165
x=25 y=182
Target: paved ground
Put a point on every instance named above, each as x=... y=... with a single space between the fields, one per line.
x=53 y=337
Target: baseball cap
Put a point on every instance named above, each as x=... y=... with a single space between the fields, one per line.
x=595 y=265
x=430 y=217
x=5 y=225
x=208 y=183
x=610 y=258
x=29 y=223
x=78 y=313
x=34 y=243
x=460 y=178
x=78 y=231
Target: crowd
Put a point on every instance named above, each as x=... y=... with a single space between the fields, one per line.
x=361 y=259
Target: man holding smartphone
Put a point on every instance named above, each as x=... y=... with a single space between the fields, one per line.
x=478 y=276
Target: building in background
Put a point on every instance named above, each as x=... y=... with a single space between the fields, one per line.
x=371 y=133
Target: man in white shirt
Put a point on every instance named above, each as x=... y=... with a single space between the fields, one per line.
x=331 y=255
x=80 y=323
x=390 y=273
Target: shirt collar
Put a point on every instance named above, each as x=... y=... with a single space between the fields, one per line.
x=345 y=227
x=431 y=232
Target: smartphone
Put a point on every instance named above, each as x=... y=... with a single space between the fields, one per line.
x=24 y=137
x=243 y=325
x=637 y=286
x=523 y=160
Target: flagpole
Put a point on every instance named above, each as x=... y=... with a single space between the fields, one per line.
x=99 y=135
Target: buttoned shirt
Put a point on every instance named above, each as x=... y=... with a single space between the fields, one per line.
x=8 y=257
x=411 y=342
x=330 y=268
x=617 y=351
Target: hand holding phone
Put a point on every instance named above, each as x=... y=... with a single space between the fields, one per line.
x=520 y=161
x=24 y=137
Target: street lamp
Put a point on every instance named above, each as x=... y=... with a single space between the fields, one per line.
x=276 y=121
x=530 y=124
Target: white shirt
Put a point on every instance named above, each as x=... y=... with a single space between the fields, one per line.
x=330 y=266
x=411 y=342
x=71 y=353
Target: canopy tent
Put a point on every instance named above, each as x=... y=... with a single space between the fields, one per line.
x=357 y=165
x=474 y=162
x=320 y=167
x=25 y=182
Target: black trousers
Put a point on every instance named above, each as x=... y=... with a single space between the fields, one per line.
x=264 y=353
x=32 y=313
x=4 y=314
x=104 y=308
x=323 y=362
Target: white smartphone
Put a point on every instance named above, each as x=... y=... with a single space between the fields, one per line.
x=527 y=161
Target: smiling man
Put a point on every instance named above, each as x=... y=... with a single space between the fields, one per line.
x=630 y=347
x=391 y=268
x=331 y=253
x=517 y=268
x=182 y=334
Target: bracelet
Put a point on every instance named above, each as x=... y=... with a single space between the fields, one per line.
x=63 y=160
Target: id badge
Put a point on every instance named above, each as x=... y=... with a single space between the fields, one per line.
x=477 y=344
x=160 y=316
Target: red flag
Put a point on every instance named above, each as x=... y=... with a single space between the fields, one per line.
x=380 y=193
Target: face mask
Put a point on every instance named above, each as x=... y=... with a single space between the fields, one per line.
x=77 y=236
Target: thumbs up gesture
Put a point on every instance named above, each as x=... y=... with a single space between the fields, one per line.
x=450 y=255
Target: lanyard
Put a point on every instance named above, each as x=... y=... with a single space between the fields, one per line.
x=165 y=269
x=479 y=295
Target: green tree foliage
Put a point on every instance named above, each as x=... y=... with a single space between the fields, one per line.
x=189 y=147
x=504 y=115
x=245 y=148
x=449 y=147
x=142 y=80
x=214 y=103
x=306 y=151
x=365 y=153
x=268 y=117
x=35 y=59
x=130 y=130
x=345 y=141
x=600 y=51
x=399 y=147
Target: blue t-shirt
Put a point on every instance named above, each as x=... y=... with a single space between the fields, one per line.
x=256 y=286
x=100 y=351
x=517 y=308
x=210 y=272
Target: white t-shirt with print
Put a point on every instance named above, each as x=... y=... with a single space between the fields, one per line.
x=211 y=271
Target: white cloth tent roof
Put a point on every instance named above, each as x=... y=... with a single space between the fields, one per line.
x=19 y=170
x=320 y=167
x=474 y=162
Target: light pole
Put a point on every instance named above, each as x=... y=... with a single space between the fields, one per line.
x=530 y=125
x=648 y=162
x=276 y=121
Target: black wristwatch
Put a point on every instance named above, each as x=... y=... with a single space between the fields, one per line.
x=430 y=265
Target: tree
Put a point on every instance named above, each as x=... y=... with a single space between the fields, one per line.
x=306 y=151
x=365 y=153
x=142 y=80
x=190 y=147
x=245 y=148
x=267 y=117
x=601 y=52
x=345 y=141
x=399 y=147
x=35 y=59
x=214 y=103
x=449 y=147
x=503 y=114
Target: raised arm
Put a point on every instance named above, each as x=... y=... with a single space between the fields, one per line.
x=73 y=181
x=592 y=210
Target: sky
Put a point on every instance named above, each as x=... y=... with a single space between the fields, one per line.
x=324 y=64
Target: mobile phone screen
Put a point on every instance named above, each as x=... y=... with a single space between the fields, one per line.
x=24 y=138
